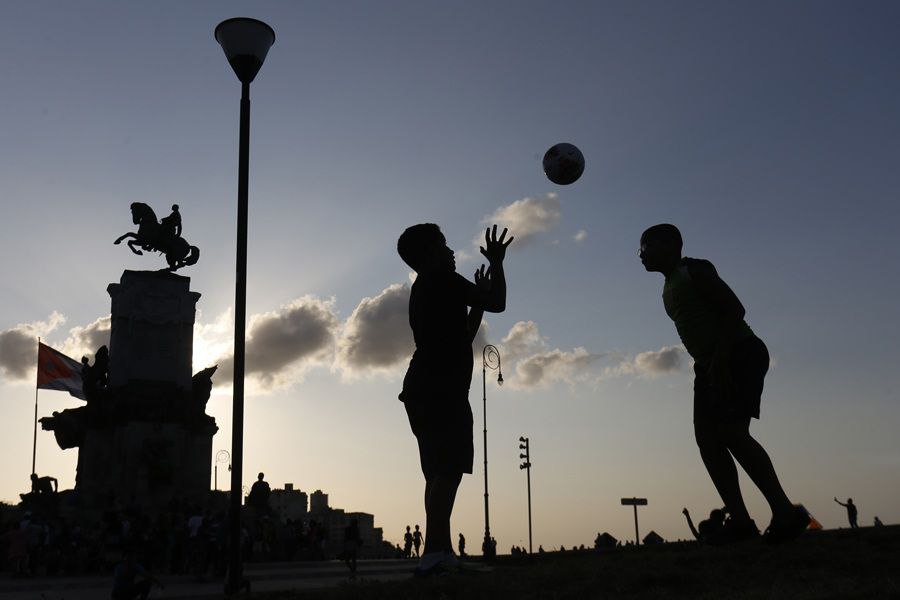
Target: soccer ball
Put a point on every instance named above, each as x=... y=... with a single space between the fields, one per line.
x=563 y=163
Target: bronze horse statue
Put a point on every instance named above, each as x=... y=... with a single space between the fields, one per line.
x=160 y=236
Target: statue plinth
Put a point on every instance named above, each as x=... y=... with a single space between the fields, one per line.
x=152 y=336
x=144 y=437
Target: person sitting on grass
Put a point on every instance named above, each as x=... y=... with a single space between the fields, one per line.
x=730 y=365
x=445 y=312
x=708 y=528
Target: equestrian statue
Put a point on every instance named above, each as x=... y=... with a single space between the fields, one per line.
x=160 y=236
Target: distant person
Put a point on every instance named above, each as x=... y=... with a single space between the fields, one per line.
x=407 y=543
x=445 y=312
x=258 y=497
x=730 y=365
x=708 y=529
x=131 y=580
x=352 y=542
x=877 y=522
x=540 y=549
x=417 y=540
x=851 y=512
x=462 y=545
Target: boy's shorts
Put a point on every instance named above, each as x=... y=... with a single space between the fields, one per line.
x=749 y=364
x=442 y=424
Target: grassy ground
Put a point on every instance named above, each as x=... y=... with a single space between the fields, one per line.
x=833 y=564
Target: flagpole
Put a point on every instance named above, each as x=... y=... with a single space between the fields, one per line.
x=34 y=446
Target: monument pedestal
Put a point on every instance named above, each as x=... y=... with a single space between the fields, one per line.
x=145 y=439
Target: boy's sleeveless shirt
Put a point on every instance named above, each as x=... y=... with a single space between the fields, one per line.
x=697 y=320
x=442 y=361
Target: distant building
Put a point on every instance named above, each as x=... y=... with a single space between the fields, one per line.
x=318 y=502
x=605 y=540
x=289 y=503
x=653 y=538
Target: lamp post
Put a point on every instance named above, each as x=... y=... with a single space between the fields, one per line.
x=490 y=359
x=246 y=43
x=222 y=456
x=525 y=445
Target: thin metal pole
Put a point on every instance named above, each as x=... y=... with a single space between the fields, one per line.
x=637 y=539
x=34 y=444
x=240 y=316
x=528 y=460
x=487 y=526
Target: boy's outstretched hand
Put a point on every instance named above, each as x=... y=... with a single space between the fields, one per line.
x=483 y=279
x=494 y=249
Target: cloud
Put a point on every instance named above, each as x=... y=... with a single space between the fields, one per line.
x=665 y=361
x=376 y=336
x=18 y=347
x=283 y=344
x=580 y=236
x=556 y=365
x=522 y=339
x=84 y=341
x=525 y=218
x=535 y=365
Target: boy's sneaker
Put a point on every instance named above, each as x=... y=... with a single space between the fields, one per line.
x=734 y=531
x=436 y=563
x=785 y=530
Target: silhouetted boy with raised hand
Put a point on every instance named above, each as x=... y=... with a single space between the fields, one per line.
x=852 y=513
x=730 y=365
x=445 y=311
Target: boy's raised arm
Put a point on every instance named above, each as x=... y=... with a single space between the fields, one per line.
x=492 y=299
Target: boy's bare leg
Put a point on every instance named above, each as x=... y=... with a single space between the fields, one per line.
x=721 y=468
x=440 y=495
x=754 y=459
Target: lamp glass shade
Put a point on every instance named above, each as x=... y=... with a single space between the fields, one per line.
x=245 y=42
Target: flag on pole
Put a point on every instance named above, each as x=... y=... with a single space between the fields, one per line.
x=56 y=371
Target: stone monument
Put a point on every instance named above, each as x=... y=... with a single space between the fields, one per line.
x=144 y=437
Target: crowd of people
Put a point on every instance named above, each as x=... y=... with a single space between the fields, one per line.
x=182 y=540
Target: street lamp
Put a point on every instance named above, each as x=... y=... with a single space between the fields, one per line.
x=246 y=43
x=490 y=359
x=222 y=456
x=526 y=446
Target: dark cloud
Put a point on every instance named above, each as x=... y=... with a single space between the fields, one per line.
x=659 y=362
x=18 y=347
x=555 y=365
x=285 y=342
x=377 y=335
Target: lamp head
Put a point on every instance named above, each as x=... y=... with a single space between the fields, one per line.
x=245 y=42
x=500 y=378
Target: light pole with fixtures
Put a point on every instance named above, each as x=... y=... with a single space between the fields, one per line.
x=246 y=43
x=490 y=359
x=222 y=456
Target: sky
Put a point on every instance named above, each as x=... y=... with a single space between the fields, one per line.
x=766 y=131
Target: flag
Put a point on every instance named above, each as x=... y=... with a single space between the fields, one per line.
x=56 y=371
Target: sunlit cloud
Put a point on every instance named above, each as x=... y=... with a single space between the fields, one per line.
x=86 y=340
x=525 y=218
x=580 y=236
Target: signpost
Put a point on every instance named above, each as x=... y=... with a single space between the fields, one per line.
x=635 y=502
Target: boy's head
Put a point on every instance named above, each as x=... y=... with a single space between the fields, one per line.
x=424 y=248
x=660 y=247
